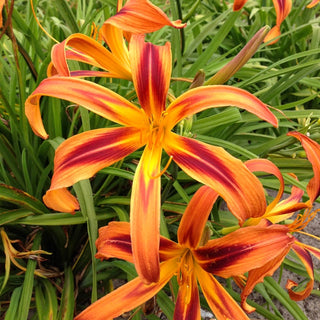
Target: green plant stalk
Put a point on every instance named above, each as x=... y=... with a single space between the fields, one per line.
x=27 y=288
x=84 y=194
x=66 y=310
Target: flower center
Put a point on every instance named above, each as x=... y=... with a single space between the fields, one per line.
x=185 y=274
x=156 y=130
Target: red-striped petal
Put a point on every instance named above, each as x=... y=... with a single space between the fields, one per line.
x=283 y=8
x=95 y=98
x=202 y=98
x=145 y=215
x=306 y=259
x=243 y=250
x=114 y=241
x=151 y=71
x=128 y=296
x=312 y=149
x=141 y=16
x=188 y=303
x=219 y=300
x=257 y=275
x=82 y=155
x=216 y=168
x=195 y=217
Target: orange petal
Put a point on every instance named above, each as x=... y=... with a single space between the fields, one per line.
x=257 y=275
x=95 y=98
x=219 y=300
x=272 y=34
x=61 y=200
x=188 y=303
x=306 y=259
x=195 y=217
x=312 y=149
x=85 y=49
x=114 y=241
x=287 y=207
x=59 y=61
x=267 y=166
x=84 y=154
x=283 y=8
x=128 y=296
x=238 y=4
x=1 y=8
x=145 y=215
x=244 y=249
x=151 y=71
x=202 y=98
x=216 y=168
x=114 y=37
x=141 y=16
x=313 y=3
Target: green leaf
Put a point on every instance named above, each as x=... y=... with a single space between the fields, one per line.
x=21 y=199
x=68 y=299
x=27 y=288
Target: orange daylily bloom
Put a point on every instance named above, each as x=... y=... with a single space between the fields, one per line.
x=282 y=7
x=279 y=211
x=81 y=156
x=191 y=260
x=136 y=17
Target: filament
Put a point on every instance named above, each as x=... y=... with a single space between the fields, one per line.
x=164 y=169
x=39 y=24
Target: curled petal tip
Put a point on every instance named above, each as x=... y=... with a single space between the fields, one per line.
x=272 y=34
x=61 y=200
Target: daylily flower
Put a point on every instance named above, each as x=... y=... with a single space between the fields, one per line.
x=193 y=259
x=282 y=7
x=81 y=156
x=136 y=17
x=279 y=211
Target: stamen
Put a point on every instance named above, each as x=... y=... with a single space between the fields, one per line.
x=302 y=220
x=164 y=169
x=39 y=24
x=94 y=31
x=310 y=235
